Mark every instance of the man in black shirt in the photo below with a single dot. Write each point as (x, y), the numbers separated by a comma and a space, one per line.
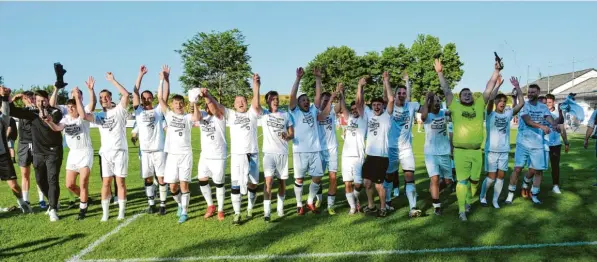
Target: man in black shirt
(11, 135)
(46, 147)
(7, 170)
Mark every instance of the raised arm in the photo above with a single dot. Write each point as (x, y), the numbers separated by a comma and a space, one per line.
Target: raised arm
(491, 84)
(216, 108)
(5, 108)
(425, 108)
(323, 114)
(518, 103)
(494, 93)
(162, 99)
(54, 97)
(342, 102)
(293, 99)
(90, 83)
(317, 74)
(388, 91)
(124, 99)
(136, 96)
(360, 103)
(165, 75)
(197, 116)
(407, 81)
(442, 82)
(255, 101)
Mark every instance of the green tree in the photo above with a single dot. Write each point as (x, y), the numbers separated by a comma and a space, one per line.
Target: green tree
(218, 61)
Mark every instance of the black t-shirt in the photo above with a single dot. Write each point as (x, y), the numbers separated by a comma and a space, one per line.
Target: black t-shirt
(25, 126)
(13, 130)
(45, 141)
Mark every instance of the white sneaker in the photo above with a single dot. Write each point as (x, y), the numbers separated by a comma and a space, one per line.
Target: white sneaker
(352, 211)
(53, 215)
(120, 218)
(556, 189)
(280, 212)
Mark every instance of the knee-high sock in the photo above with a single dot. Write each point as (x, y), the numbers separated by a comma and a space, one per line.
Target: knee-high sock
(356, 192)
(298, 193)
(320, 194)
(474, 188)
(461, 194)
(267, 207)
(185, 198)
(220, 195)
(25, 196)
(387, 186)
(121, 207)
(411, 194)
(206, 192)
(176, 195)
(469, 196)
(331, 200)
(106, 208)
(313, 188)
(350, 199)
(252, 198)
(149, 192)
(40, 194)
(163, 194)
(487, 182)
(497, 189)
(280, 206)
(236, 199)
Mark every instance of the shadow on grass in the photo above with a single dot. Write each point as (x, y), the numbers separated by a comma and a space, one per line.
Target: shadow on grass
(37, 245)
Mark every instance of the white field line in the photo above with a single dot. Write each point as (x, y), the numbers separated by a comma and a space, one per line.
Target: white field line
(353, 253)
(93, 245)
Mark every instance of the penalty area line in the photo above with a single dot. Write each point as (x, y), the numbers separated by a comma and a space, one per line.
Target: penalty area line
(355, 253)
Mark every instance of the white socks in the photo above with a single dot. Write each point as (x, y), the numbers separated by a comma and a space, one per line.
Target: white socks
(486, 184)
(497, 190)
(313, 188)
(184, 198)
(83, 205)
(331, 200)
(411, 194)
(236, 198)
(298, 193)
(149, 192)
(356, 194)
(220, 191)
(106, 208)
(163, 194)
(121, 208)
(177, 197)
(40, 194)
(267, 207)
(252, 198)
(511, 189)
(206, 192)
(25, 196)
(388, 187)
(280, 205)
(350, 199)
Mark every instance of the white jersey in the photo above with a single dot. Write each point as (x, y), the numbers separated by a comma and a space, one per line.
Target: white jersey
(498, 131)
(213, 137)
(76, 132)
(554, 135)
(306, 139)
(327, 131)
(354, 137)
(530, 137)
(150, 125)
(273, 125)
(437, 141)
(178, 137)
(243, 131)
(378, 128)
(400, 135)
(112, 127)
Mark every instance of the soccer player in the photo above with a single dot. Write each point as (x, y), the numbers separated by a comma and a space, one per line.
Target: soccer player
(179, 161)
(277, 129)
(150, 124)
(542, 99)
(7, 170)
(591, 124)
(306, 144)
(531, 146)
(353, 150)
(114, 146)
(212, 161)
(437, 147)
(555, 143)
(12, 135)
(376, 162)
(328, 142)
(497, 144)
(467, 116)
(80, 156)
(400, 147)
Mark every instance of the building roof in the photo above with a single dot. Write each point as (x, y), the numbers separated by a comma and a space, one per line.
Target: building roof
(587, 87)
(556, 81)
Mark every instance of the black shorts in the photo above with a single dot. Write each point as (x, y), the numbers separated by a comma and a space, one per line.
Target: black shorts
(7, 170)
(375, 168)
(24, 154)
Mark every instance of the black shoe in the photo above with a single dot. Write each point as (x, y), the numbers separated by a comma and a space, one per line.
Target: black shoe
(162, 210)
(150, 209)
(82, 213)
(382, 212)
(266, 219)
(438, 211)
(368, 210)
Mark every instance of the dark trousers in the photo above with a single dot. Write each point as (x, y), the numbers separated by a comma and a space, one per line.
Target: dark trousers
(554, 160)
(47, 172)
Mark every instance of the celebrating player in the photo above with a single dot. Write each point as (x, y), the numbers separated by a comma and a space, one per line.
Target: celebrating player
(555, 143)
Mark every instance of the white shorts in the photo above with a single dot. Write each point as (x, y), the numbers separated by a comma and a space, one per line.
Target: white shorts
(536, 158)
(352, 169)
(329, 160)
(439, 165)
(275, 165)
(406, 157)
(79, 158)
(212, 168)
(115, 163)
(152, 163)
(244, 168)
(495, 161)
(178, 168)
(307, 162)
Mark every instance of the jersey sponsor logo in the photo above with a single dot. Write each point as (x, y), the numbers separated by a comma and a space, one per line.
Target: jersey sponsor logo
(243, 121)
(469, 115)
(501, 123)
(72, 129)
(208, 127)
(327, 123)
(178, 123)
(373, 125)
(108, 122)
(439, 124)
(276, 124)
(352, 127)
(401, 118)
(148, 118)
(308, 119)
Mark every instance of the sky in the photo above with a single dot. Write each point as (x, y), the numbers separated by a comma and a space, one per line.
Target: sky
(92, 38)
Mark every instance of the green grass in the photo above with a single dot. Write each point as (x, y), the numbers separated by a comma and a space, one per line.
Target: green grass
(565, 218)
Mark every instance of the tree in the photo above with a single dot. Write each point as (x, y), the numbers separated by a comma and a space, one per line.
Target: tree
(218, 61)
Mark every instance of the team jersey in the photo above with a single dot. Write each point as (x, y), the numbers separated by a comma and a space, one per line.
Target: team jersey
(273, 125)
(150, 124)
(437, 140)
(178, 137)
(498, 131)
(112, 127)
(400, 136)
(554, 135)
(243, 131)
(530, 137)
(306, 139)
(468, 124)
(327, 131)
(377, 129)
(354, 137)
(76, 132)
(213, 136)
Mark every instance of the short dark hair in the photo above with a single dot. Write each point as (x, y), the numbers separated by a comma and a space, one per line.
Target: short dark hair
(377, 99)
(541, 97)
(550, 96)
(147, 92)
(535, 86)
(106, 91)
(71, 102)
(41, 93)
(270, 93)
(28, 93)
(326, 93)
(400, 86)
(178, 97)
(500, 97)
(353, 103)
(465, 89)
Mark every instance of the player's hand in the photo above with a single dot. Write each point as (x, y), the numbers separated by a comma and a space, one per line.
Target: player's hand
(363, 81)
(317, 72)
(340, 88)
(256, 79)
(166, 72)
(429, 97)
(300, 72)
(566, 148)
(142, 70)
(76, 93)
(545, 129)
(499, 81)
(586, 144)
(134, 139)
(514, 81)
(405, 76)
(203, 92)
(90, 83)
(437, 64)
(284, 136)
(4, 91)
(109, 76)
(386, 77)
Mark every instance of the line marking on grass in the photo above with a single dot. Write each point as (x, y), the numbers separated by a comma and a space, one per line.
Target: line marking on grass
(353, 253)
(93, 245)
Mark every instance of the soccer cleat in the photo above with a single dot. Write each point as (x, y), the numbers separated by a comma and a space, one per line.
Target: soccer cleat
(221, 215)
(467, 208)
(524, 192)
(183, 218)
(162, 210)
(536, 200)
(53, 215)
(43, 204)
(318, 203)
(120, 218)
(179, 212)
(438, 211)
(249, 213)
(300, 211)
(266, 219)
(414, 213)
(352, 211)
(82, 214)
(462, 216)
(26, 208)
(210, 211)
(556, 189)
(389, 207)
(483, 202)
(150, 209)
(312, 208)
(495, 204)
(382, 213)
(331, 211)
(236, 220)
(368, 210)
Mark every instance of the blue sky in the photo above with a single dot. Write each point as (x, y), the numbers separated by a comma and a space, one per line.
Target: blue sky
(93, 38)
